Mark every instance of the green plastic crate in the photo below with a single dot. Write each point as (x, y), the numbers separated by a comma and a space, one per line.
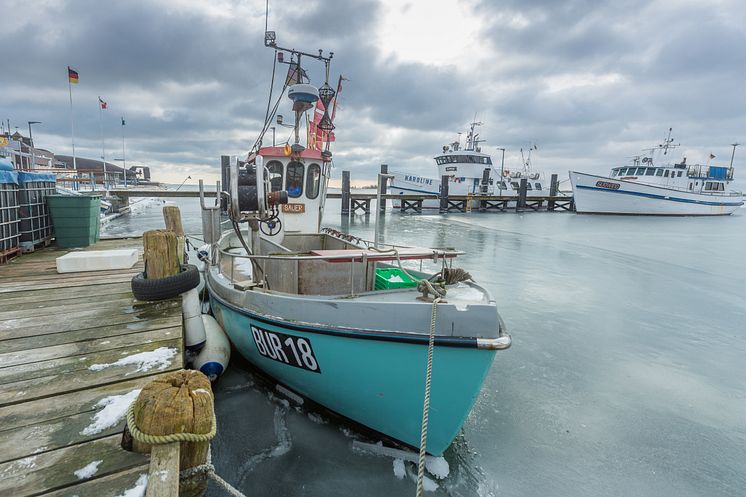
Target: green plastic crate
(384, 275)
(76, 219)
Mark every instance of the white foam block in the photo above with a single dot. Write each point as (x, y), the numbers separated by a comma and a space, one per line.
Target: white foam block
(96, 260)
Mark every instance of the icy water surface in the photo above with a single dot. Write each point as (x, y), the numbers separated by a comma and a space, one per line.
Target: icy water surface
(627, 375)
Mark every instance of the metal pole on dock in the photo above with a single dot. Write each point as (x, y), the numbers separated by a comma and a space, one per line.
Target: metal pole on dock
(444, 194)
(225, 163)
(383, 187)
(345, 193)
(379, 212)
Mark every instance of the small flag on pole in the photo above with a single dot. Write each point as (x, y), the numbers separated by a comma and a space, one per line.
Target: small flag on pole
(102, 103)
(72, 75)
(123, 121)
(712, 156)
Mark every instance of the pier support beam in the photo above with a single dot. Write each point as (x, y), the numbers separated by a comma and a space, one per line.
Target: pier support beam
(485, 187)
(553, 187)
(444, 194)
(384, 187)
(345, 193)
(160, 253)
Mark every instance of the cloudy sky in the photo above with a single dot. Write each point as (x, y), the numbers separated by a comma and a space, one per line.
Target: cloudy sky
(590, 83)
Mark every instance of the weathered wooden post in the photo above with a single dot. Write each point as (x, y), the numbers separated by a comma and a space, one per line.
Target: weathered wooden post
(345, 193)
(174, 420)
(160, 253)
(444, 194)
(172, 218)
(384, 187)
(522, 189)
(553, 187)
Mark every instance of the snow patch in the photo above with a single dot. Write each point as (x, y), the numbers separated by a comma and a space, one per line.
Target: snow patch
(88, 470)
(396, 279)
(200, 390)
(162, 474)
(428, 485)
(138, 490)
(399, 470)
(159, 358)
(26, 462)
(316, 418)
(114, 409)
(437, 466)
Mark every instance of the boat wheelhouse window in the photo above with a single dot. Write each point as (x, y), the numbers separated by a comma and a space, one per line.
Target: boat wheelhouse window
(691, 185)
(649, 171)
(313, 181)
(275, 175)
(514, 185)
(640, 171)
(679, 175)
(708, 185)
(659, 172)
(721, 187)
(294, 184)
(528, 186)
(614, 172)
(503, 186)
(538, 186)
(666, 173)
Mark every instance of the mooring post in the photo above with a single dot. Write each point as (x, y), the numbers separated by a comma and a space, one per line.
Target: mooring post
(160, 253)
(384, 186)
(345, 193)
(225, 164)
(522, 189)
(178, 402)
(444, 194)
(554, 186)
(172, 218)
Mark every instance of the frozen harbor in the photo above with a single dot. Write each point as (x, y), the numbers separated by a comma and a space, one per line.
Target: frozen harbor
(624, 378)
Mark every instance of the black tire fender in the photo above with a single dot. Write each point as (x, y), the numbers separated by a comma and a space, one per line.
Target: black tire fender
(165, 288)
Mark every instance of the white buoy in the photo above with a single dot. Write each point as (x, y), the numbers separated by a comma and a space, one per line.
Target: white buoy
(213, 359)
(194, 328)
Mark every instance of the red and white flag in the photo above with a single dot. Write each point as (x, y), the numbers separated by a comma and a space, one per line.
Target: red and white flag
(102, 103)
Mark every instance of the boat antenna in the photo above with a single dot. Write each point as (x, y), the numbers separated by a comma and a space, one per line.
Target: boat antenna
(733, 154)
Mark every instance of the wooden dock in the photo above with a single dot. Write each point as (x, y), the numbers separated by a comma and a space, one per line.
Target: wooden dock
(53, 329)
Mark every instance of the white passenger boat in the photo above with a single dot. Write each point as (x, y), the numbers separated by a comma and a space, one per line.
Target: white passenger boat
(644, 188)
(470, 172)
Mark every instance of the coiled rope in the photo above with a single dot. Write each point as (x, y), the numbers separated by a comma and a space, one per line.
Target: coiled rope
(426, 403)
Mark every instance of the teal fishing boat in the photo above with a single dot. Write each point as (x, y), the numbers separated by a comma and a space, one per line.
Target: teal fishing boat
(354, 326)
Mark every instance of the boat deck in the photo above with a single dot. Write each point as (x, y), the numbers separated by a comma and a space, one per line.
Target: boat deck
(54, 403)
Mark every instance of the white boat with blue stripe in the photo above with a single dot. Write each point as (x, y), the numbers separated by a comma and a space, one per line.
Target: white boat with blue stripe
(644, 188)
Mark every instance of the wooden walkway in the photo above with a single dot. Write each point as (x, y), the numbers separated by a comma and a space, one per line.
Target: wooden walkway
(53, 329)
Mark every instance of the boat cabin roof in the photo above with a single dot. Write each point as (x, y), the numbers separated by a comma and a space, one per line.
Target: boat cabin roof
(279, 153)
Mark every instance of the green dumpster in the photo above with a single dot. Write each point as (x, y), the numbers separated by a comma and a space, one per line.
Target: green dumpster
(76, 219)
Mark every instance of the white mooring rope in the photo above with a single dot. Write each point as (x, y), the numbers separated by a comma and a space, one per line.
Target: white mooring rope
(426, 404)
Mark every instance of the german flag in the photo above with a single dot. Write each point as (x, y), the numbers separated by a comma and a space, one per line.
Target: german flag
(72, 75)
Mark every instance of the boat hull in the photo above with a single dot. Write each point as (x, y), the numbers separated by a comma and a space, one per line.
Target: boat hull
(602, 195)
(378, 383)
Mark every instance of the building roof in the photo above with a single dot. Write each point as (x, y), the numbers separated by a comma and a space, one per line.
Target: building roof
(92, 165)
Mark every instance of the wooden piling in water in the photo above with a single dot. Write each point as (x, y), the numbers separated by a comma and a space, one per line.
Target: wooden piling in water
(444, 194)
(172, 218)
(522, 189)
(384, 187)
(345, 193)
(553, 187)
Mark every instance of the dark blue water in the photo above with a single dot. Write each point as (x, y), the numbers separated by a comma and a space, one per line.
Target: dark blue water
(627, 375)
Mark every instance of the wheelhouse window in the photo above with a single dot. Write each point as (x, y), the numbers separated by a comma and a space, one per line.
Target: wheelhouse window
(640, 171)
(313, 181)
(666, 173)
(649, 171)
(275, 175)
(659, 172)
(528, 186)
(679, 175)
(503, 186)
(538, 186)
(708, 185)
(514, 185)
(294, 184)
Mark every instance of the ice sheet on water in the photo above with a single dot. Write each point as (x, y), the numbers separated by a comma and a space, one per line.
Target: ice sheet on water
(88, 470)
(437, 466)
(114, 409)
(159, 358)
(399, 470)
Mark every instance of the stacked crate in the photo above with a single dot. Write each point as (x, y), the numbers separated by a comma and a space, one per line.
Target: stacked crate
(36, 224)
(9, 220)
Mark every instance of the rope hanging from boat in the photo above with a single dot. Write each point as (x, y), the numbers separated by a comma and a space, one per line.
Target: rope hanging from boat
(426, 403)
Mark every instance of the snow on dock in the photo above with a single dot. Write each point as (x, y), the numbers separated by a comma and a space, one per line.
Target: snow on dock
(53, 329)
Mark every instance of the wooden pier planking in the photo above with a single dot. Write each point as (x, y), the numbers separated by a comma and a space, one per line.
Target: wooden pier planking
(53, 327)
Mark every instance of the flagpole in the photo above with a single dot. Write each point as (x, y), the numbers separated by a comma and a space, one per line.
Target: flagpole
(103, 149)
(72, 129)
(124, 161)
